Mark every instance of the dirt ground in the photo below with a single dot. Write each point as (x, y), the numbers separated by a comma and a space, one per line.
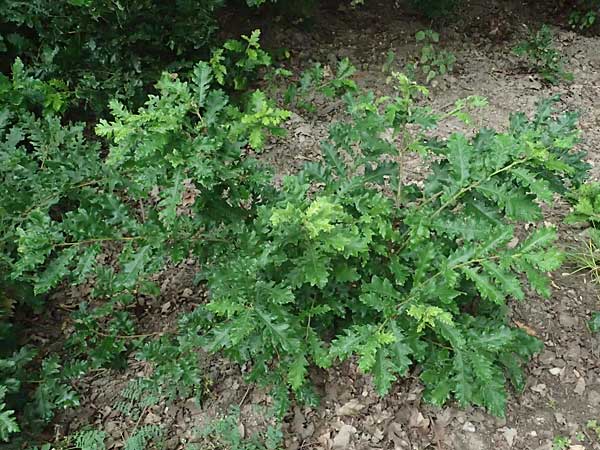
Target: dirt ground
(563, 385)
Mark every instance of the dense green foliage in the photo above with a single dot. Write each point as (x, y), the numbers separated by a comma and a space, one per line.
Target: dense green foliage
(175, 179)
(421, 276)
(346, 260)
(102, 48)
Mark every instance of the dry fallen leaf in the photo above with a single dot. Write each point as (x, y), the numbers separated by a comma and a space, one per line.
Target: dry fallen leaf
(398, 436)
(341, 441)
(580, 386)
(539, 388)
(417, 420)
(527, 329)
(351, 408)
(509, 434)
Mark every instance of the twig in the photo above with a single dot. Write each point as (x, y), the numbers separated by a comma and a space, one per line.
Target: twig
(134, 336)
(308, 444)
(244, 397)
(137, 423)
(435, 434)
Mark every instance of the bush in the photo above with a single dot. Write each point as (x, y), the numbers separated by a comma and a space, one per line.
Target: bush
(345, 261)
(101, 48)
(349, 262)
(177, 177)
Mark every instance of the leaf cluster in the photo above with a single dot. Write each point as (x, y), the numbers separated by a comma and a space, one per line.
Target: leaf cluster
(97, 50)
(543, 57)
(584, 14)
(432, 62)
(224, 434)
(586, 210)
(349, 262)
(178, 177)
(320, 82)
(345, 261)
(101, 48)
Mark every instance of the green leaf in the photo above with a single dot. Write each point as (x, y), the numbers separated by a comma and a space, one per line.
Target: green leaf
(461, 255)
(372, 341)
(458, 155)
(496, 239)
(539, 187)
(483, 367)
(484, 285)
(86, 263)
(90, 440)
(522, 207)
(509, 282)
(345, 69)
(312, 268)
(400, 271)
(277, 330)
(493, 340)
(383, 372)
(379, 294)
(216, 100)
(440, 394)
(55, 272)
(540, 238)
(8, 424)
(201, 77)
(332, 157)
(256, 140)
(297, 371)
(515, 372)
(494, 396)
(547, 260)
(134, 268)
(399, 351)
(345, 345)
(539, 281)
(463, 386)
(171, 199)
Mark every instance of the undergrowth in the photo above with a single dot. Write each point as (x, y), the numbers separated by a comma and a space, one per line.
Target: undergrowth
(543, 57)
(432, 62)
(225, 433)
(179, 158)
(586, 257)
(345, 261)
(584, 14)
